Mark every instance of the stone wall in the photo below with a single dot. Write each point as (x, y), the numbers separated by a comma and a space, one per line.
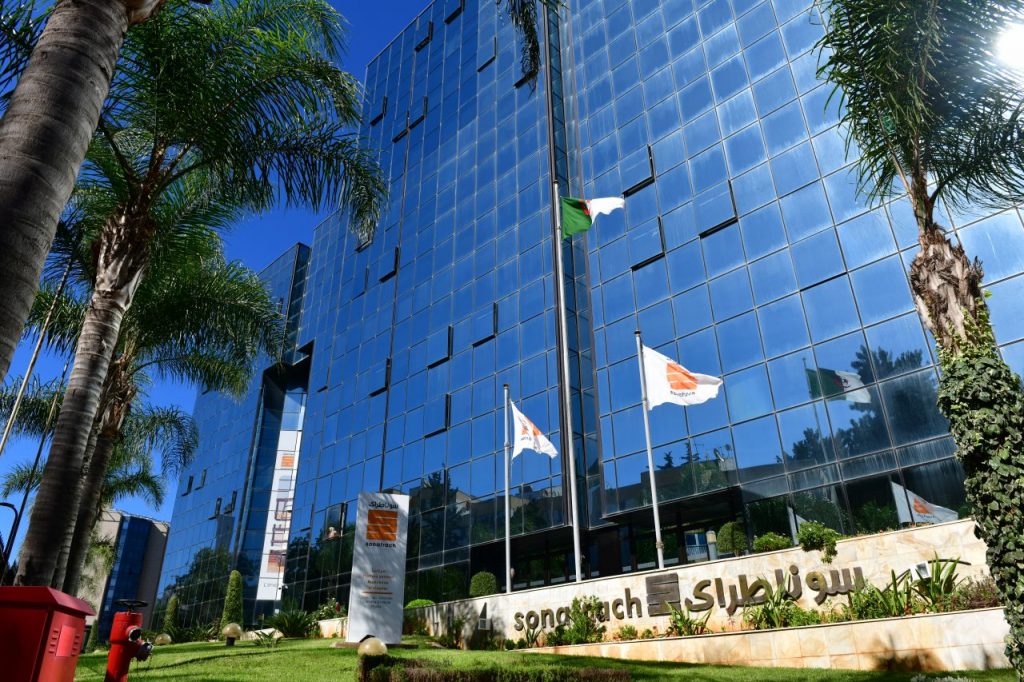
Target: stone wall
(639, 599)
(968, 640)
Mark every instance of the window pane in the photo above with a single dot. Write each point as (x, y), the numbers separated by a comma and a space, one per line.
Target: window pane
(757, 449)
(803, 441)
(830, 309)
(911, 405)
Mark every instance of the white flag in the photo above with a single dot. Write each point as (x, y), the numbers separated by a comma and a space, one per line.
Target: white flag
(919, 510)
(604, 205)
(670, 382)
(527, 436)
(856, 393)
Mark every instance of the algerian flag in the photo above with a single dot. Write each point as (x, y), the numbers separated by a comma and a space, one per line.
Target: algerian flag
(578, 214)
(837, 385)
(527, 436)
(670, 382)
(919, 510)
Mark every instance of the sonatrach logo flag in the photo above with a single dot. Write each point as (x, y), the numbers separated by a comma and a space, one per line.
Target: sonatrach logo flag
(578, 214)
(527, 436)
(670, 382)
(919, 510)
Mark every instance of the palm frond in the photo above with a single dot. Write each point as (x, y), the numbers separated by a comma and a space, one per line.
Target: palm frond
(68, 314)
(523, 15)
(249, 91)
(21, 478)
(21, 23)
(923, 96)
(35, 404)
(169, 430)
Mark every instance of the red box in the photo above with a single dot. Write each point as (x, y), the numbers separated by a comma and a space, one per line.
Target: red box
(42, 632)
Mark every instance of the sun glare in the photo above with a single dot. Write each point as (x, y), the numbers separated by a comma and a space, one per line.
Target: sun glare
(1010, 46)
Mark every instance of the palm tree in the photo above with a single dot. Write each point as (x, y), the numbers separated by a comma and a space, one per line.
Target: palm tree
(935, 116)
(196, 319)
(240, 106)
(46, 130)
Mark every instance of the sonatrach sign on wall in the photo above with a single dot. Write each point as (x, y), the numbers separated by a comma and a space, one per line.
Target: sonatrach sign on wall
(378, 567)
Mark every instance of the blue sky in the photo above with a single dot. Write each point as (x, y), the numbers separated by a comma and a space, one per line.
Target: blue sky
(256, 241)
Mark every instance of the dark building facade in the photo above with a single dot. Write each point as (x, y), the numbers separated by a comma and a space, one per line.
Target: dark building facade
(138, 546)
(744, 252)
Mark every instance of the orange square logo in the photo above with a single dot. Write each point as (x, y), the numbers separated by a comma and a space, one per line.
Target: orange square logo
(287, 461)
(382, 524)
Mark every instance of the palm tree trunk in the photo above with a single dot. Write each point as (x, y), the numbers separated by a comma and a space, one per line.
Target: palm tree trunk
(44, 136)
(88, 511)
(65, 550)
(119, 269)
(981, 396)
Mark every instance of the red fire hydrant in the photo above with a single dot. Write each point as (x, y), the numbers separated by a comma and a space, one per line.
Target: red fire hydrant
(126, 641)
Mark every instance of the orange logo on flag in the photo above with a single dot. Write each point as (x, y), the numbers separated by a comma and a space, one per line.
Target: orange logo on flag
(382, 524)
(922, 508)
(679, 379)
(529, 429)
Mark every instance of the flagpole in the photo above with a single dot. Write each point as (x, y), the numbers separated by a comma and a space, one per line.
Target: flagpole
(570, 450)
(508, 506)
(650, 455)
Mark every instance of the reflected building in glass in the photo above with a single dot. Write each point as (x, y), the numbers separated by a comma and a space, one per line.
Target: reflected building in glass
(744, 252)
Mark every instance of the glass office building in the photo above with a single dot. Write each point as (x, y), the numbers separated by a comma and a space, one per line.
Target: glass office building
(744, 252)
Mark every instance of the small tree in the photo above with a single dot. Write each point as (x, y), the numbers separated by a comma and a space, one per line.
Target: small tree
(171, 614)
(732, 538)
(233, 601)
(483, 584)
(93, 642)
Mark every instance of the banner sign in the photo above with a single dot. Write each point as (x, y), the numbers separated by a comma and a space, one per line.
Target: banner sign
(378, 568)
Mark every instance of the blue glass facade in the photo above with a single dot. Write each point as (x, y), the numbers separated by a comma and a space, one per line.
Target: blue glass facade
(222, 514)
(744, 252)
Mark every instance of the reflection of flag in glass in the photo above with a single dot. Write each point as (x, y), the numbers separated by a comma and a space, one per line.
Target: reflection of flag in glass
(837, 385)
(912, 508)
(526, 436)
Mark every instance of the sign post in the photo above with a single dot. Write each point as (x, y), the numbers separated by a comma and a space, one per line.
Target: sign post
(378, 568)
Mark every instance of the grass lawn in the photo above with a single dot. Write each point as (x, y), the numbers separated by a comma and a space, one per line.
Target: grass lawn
(313, 660)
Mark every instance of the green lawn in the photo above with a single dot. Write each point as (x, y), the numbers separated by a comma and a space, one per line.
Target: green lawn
(314, 660)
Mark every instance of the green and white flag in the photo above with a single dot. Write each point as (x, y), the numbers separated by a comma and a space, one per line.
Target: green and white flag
(833, 384)
(578, 214)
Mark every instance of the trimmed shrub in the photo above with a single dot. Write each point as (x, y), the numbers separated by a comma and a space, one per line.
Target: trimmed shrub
(483, 584)
(171, 614)
(233, 602)
(391, 669)
(419, 603)
(732, 538)
(93, 642)
(769, 542)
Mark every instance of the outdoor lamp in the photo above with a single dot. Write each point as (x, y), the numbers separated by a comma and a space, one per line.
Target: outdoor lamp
(372, 646)
(712, 537)
(162, 639)
(231, 632)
